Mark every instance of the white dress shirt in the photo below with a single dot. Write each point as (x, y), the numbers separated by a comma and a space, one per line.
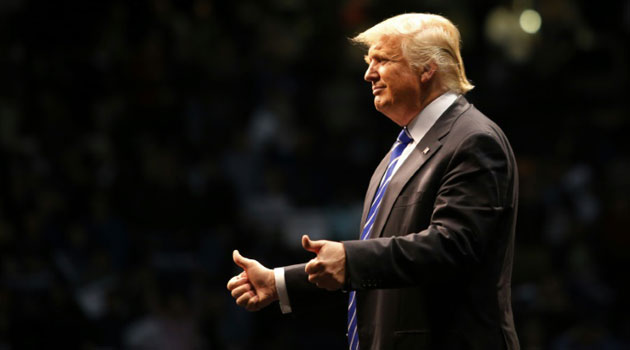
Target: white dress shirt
(417, 128)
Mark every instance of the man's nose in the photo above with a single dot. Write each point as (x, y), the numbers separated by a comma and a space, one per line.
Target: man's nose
(370, 73)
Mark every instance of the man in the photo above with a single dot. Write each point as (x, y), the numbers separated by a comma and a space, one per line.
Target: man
(431, 268)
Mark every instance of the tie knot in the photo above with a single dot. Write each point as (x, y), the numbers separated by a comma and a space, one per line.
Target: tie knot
(404, 137)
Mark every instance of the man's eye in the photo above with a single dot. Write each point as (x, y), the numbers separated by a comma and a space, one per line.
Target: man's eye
(375, 59)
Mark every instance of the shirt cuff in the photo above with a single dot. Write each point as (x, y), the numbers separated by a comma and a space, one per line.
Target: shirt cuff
(281, 288)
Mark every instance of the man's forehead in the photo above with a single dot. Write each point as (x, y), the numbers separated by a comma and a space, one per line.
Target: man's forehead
(386, 43)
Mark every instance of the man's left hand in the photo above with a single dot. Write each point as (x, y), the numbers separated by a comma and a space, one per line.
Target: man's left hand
(328, 269)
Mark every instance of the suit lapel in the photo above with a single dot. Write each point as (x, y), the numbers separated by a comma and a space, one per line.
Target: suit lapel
(411, 165)
(423, 151)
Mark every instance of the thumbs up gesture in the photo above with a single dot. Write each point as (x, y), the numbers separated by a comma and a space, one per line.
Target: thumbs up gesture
(255, 287)
(328, 269)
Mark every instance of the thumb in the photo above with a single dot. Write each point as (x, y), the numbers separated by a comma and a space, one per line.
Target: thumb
(242, 261)
(312, 246)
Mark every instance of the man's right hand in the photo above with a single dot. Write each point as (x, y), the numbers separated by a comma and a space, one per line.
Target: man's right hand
(255, 287)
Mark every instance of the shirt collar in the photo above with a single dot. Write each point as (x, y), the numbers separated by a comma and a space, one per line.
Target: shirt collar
(421, 124)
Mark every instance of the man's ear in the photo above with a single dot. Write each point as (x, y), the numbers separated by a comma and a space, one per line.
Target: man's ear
(428, 72)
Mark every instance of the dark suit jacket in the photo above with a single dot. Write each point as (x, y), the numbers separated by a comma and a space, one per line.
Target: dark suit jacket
(436, 271)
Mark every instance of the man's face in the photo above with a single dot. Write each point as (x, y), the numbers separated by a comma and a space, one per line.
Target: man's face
(395, 85)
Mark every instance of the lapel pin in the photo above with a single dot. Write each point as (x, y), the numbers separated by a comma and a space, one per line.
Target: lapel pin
(426, 150)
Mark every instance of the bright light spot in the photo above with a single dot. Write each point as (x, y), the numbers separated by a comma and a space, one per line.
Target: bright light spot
(530, 21)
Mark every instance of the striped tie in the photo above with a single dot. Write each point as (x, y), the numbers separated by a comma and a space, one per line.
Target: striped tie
(399, 146)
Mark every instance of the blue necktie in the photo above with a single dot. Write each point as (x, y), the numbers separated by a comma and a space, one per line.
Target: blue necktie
(399, 146)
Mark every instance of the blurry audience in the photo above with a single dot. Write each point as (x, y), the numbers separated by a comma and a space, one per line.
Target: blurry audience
(142, 141)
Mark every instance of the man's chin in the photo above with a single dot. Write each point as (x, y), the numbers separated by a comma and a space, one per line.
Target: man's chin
(379, 104)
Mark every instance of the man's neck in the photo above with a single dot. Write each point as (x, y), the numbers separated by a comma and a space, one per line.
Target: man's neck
(430, 96)
(424, 101)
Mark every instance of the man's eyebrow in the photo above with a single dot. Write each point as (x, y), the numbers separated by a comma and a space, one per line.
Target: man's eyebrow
(381, 55)
(374, 53)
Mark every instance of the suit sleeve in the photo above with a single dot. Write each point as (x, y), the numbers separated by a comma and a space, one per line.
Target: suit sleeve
(306, 297)
(473, 197)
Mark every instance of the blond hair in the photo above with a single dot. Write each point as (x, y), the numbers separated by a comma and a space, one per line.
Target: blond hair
(425, 38)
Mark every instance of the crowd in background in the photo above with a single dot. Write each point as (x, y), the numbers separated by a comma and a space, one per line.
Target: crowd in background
(142, 141)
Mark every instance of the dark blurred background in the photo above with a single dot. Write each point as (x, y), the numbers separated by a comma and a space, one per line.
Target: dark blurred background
(142, 141)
